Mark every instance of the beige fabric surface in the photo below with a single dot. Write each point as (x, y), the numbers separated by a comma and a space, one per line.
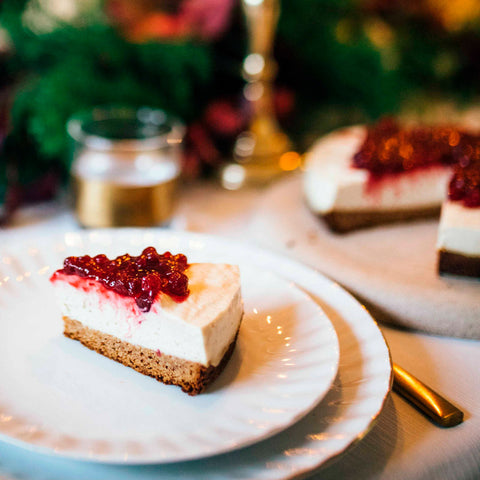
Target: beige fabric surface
(392, 269)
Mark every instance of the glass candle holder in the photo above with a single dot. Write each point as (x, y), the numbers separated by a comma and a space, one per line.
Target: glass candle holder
(125, 166)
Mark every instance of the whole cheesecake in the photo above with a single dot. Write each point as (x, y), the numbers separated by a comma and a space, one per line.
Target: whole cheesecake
(359, 177)
(168, 319)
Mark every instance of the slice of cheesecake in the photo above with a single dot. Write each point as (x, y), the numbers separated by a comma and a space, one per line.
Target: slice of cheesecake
(155, 313)
(458, 241)
(359, 177)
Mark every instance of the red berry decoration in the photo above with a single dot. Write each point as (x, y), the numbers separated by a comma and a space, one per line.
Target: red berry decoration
(390, 148)
(142, 277)
(465, 183)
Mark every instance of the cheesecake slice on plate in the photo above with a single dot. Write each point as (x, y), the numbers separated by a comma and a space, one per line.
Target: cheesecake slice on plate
(459, 230)
(174, 321)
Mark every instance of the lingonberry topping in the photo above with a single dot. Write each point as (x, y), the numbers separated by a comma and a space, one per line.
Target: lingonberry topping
(142, 277)
(390, 148)
(465, 183)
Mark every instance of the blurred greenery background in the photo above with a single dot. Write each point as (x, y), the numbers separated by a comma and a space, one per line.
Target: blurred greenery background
(340, 62)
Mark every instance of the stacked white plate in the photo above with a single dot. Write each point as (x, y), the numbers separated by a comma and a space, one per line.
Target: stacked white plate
(309, 375)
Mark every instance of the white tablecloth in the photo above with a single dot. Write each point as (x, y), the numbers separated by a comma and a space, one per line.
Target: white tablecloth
(403, 444)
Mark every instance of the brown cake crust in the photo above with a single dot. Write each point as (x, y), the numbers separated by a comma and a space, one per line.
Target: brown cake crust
(345, 221)
(192, 377)
(457, 264)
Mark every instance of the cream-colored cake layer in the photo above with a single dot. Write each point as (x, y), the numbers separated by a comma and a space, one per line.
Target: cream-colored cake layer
(459, 229)
(199, 329)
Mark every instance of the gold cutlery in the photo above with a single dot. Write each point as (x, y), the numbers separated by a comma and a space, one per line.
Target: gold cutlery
(437, 408)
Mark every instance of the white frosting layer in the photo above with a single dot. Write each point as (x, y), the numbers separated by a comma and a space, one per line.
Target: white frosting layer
(199, 329)
(459, 229)
(330, 183)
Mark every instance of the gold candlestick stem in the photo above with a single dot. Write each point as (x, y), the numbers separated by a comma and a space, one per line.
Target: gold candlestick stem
(257, 151)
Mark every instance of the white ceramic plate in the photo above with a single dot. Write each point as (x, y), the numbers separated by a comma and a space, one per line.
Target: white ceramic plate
(343, 417)
(57, 395)
(392, 268)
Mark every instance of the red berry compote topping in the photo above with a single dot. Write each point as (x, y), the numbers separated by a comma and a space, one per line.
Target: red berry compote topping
(142, 277)
(465, 183)
(390, 148)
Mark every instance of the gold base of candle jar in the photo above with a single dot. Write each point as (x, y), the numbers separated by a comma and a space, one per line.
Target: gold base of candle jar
(104, 204)
(234, 176)
(269, 158)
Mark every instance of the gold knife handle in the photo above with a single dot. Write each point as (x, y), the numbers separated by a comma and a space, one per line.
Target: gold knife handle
(440, 410)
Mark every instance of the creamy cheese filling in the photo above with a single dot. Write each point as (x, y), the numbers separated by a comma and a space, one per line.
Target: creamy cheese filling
(331, 183)
(199, 329)
(459, 229)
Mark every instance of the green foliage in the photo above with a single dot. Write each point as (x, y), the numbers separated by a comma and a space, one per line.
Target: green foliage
(341, 70)
(356, 64)
(74, 69)
(170, 77)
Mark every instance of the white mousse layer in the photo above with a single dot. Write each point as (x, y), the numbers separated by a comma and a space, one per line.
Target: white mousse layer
(199, 329)
(331, 183)
(459, 229)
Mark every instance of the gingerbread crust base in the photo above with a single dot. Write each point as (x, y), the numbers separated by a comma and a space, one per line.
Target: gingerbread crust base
(457, 264)
(346, 221)
(192, 377)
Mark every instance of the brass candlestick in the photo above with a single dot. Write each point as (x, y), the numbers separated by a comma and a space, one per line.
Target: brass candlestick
(258, 151)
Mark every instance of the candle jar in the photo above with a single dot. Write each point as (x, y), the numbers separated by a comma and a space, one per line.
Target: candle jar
(125, 166)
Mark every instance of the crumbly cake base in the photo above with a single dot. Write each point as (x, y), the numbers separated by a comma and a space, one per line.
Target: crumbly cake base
(346, 221)
(192, 377)
(458, 264)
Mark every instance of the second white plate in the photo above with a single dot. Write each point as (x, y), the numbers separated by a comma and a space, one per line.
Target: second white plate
(59, 397)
